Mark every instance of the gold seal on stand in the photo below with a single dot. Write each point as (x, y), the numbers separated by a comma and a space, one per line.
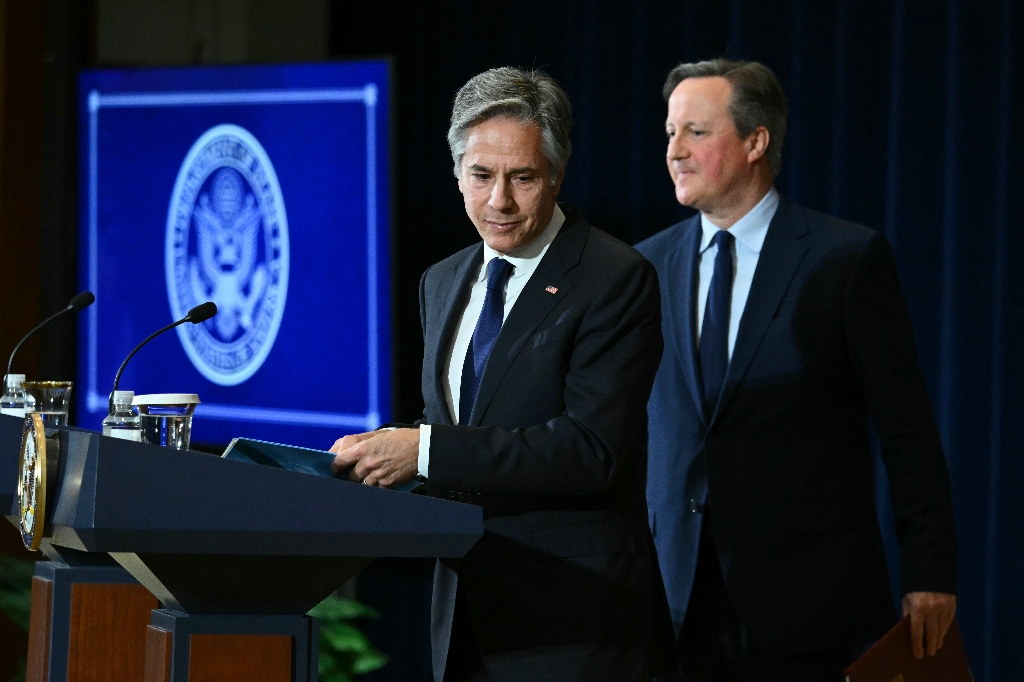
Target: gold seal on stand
(32, 481)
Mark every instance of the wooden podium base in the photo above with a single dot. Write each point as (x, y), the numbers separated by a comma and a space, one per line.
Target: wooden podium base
(88, 622)
(212, 648)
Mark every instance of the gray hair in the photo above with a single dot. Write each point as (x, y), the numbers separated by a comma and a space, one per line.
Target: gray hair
(524, 96)
(757, 98)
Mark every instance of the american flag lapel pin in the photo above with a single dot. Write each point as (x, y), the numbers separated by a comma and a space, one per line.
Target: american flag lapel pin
(551, 290)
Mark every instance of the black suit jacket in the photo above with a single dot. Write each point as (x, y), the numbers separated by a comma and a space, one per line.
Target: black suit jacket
(824, 344)
(564, 583)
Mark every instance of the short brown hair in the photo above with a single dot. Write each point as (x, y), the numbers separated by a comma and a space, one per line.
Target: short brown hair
(757, 98)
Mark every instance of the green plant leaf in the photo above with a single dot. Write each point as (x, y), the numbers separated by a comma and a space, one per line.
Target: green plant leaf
(369, 661)
(343, 637)
(336, 608)
(345, 652)
(16, 589)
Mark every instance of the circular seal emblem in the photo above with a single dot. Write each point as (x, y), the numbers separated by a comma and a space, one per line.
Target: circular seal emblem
(32, 479)
(227, 242)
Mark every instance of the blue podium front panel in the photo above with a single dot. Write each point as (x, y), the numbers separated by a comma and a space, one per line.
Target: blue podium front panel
(264, 189)
(216, 536)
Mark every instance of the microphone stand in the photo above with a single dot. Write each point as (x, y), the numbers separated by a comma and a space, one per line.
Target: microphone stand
(82, 300)
(200, 313)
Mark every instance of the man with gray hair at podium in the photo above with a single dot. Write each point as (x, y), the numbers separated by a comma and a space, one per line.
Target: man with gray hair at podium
(541, 346)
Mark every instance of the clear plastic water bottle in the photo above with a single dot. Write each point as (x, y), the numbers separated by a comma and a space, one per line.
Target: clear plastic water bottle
(14, 398)
(123, 423)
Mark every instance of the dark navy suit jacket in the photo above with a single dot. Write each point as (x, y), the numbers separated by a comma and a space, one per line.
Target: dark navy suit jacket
(784, 464)
(564, 584)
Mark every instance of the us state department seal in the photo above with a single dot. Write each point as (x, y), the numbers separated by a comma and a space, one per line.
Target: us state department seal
(227, 242)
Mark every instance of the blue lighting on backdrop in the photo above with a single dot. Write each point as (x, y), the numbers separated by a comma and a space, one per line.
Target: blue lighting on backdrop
(264, 189)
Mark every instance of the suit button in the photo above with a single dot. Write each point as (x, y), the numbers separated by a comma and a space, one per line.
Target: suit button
(695, 506)
(460, 495)
(450, 494)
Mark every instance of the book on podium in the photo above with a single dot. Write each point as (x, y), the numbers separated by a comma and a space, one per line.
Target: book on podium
(891, 659)
(295, 458)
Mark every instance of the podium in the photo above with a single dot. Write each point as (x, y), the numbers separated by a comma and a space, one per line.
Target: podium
(236, 553)
(89, 615)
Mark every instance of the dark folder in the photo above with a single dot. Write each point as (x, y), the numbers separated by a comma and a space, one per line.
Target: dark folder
(293, 458)
(891, 659)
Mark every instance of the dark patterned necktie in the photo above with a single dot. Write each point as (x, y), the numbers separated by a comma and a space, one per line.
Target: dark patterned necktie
(714, 333)
(487, 328)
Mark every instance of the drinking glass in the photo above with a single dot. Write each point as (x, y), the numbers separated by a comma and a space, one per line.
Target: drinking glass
(50, 399)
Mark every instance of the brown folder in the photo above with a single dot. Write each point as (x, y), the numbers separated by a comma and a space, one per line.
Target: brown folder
(891, 659)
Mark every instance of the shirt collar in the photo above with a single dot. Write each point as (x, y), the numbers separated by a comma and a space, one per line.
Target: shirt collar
(751, 229)
(532, 252)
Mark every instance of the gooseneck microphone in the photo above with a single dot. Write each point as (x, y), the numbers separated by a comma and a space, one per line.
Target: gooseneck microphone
(79, 302)
(201, 313)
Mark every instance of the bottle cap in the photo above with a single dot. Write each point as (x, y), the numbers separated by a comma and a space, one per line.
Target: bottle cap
(14, 380)
(124, 397)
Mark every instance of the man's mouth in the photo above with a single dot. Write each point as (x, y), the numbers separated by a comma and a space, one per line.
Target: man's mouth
(503, 226)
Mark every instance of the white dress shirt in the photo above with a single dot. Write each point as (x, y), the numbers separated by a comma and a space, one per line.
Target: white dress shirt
(524, 261)
(749, 231)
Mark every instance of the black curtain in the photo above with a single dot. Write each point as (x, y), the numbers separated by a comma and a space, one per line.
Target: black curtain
(904, 116)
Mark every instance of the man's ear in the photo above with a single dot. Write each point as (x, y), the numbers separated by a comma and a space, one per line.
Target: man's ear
(758, 144)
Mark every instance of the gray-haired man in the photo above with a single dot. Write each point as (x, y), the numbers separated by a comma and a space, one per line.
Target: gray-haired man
(541, 345)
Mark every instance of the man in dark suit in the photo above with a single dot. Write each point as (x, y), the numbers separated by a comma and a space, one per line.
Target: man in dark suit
(785, 332)
(541, 345)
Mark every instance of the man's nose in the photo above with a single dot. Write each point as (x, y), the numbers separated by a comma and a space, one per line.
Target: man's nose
(501, 196)
(677, 149)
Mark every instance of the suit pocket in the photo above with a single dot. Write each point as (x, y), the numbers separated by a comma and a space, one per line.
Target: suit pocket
(555, 333)
(576, 540)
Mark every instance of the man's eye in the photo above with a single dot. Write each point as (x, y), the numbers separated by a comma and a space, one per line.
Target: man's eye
(697, 133)
(524, 178)
(480, 176)
(669, 134)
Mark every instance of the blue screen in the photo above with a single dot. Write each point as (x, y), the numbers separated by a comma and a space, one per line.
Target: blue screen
(266, 190)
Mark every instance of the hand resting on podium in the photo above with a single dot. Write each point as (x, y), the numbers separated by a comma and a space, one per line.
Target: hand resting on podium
(384, 458)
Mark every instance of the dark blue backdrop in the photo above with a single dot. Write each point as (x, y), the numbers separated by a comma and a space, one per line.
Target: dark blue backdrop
(325, 129)
(905, 116)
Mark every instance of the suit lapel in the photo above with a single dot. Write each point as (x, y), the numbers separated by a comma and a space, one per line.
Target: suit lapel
(455, 289)
(781, 254)
(679, 284)
(532, 306)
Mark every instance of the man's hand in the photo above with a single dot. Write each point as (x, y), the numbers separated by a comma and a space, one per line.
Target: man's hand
(931, 614)
(381, 458)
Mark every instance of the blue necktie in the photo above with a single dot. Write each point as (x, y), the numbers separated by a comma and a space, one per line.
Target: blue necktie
(714, 332)
(487, 328)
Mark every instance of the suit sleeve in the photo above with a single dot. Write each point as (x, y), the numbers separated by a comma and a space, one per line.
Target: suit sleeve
(882, 346)
(611, 367)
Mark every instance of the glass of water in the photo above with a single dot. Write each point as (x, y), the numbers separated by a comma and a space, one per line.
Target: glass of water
(166, 418)
(50, 399)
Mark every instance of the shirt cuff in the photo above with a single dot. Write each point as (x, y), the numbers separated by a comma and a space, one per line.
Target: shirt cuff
(424, 456)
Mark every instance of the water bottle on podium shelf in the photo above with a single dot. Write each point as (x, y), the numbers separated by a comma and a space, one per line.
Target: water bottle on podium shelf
(13, 401)
(122, 422)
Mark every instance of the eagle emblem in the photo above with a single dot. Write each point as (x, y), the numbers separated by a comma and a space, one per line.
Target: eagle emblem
(227, 242)
(225, 270)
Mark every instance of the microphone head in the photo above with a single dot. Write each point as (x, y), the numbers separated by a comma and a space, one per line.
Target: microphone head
(202, 312)
(81, 301)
